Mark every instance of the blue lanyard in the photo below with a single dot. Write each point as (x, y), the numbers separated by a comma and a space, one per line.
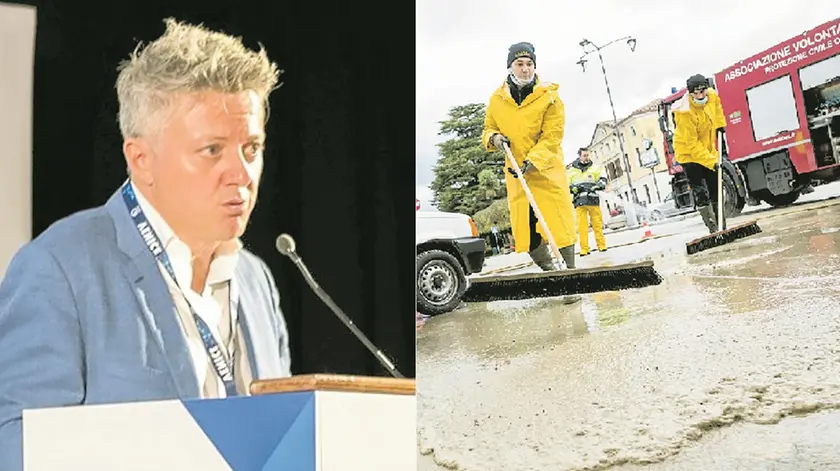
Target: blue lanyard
(221, 363)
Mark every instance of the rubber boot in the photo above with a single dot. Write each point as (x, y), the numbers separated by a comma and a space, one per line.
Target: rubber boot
(709, 218)
(542, 257)
(568, 254)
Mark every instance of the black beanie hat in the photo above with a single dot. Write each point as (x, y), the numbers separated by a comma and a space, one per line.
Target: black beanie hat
(521, 50)
(696, 81)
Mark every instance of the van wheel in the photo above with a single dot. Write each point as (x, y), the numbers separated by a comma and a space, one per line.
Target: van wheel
(440, 282)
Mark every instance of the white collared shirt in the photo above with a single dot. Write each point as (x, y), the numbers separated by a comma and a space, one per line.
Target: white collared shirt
(216, 305)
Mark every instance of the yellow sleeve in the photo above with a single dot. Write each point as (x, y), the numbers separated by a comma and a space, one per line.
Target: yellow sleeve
(599, 175)
(490, 128)
(685, 139)
(596, 172)
(551, 134)
(720, 117)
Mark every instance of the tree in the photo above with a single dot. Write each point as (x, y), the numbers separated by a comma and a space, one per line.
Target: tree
(498, 214)
(467, 177)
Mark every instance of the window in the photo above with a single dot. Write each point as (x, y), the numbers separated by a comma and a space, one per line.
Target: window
(772, 108)
(647, 192)
(633, 130)
(639, 156)
(820, 73)
(821, 88)
(607, 145)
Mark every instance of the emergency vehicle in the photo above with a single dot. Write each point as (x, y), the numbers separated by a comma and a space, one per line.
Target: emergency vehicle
(782, 110)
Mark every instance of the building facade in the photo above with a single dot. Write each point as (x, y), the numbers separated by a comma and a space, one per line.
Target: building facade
(643, 143)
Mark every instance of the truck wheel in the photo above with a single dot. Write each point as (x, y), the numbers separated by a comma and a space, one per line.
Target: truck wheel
(440, 282)
(780, 201)
(734, 203)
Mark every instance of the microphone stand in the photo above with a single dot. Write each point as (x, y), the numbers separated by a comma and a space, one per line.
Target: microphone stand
(383, 360)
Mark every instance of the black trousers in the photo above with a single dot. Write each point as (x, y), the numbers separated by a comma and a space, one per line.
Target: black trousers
(533, 222)
(703, 183)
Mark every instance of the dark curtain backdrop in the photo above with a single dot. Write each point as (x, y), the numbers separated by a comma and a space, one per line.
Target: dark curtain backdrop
(339, 171)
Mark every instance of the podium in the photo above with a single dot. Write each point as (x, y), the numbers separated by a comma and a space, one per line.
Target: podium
(302, 423)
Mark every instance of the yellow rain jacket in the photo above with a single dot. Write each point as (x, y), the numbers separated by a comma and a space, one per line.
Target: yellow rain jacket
(535, 130)
(695, 138)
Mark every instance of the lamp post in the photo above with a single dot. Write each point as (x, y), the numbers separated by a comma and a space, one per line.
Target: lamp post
(632, 220)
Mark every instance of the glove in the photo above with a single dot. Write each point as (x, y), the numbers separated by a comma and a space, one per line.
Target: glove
(588, 187)
(498, 139)
(527, 166)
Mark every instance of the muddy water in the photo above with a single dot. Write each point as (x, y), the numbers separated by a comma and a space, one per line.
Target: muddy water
(669, 377)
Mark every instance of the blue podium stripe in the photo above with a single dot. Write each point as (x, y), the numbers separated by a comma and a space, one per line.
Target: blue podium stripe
(296, 451)
(248, 430)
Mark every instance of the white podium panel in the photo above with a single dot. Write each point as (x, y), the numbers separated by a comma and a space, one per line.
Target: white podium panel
(289, 431)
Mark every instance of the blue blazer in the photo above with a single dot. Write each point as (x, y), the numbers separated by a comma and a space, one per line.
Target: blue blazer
(86, 318)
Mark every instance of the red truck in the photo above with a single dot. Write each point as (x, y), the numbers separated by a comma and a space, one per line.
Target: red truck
(782, 110)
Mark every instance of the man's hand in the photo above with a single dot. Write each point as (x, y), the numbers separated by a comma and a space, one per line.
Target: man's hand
(498, 140)
(527, 167)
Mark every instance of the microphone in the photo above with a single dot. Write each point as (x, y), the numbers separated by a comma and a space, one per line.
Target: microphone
(286, 245)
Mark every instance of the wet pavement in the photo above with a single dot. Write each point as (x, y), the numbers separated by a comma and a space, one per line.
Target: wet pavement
(733, 362)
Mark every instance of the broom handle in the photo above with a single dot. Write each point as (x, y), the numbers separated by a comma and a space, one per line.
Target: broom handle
(533, 202)
(720, 181)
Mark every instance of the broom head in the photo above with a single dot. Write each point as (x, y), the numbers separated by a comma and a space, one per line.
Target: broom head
(562, 282)
(716, 239)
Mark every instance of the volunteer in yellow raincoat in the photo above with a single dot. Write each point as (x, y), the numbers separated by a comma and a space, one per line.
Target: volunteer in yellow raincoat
(698, 117)
(585, 180)
(528, 115)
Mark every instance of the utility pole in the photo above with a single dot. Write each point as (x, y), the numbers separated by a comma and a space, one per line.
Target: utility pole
(655, 184)
(632, 219)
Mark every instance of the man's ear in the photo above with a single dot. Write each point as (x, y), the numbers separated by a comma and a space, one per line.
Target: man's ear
(138, 158)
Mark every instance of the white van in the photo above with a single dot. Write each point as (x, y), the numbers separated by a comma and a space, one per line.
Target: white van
(448, 250)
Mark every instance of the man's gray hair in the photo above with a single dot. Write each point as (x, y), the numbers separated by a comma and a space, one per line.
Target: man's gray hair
(187, 59)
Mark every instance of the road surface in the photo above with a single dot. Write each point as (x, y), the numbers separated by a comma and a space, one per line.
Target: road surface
(732, 363)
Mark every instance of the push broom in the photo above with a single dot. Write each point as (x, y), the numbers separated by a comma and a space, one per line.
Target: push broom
(564, 281)
(723, 235)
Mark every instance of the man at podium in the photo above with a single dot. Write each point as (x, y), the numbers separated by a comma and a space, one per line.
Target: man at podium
(151, 296)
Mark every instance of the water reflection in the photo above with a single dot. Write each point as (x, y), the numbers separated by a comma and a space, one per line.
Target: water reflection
(634, 369)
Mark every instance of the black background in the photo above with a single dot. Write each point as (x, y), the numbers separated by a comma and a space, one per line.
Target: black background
(339, 170)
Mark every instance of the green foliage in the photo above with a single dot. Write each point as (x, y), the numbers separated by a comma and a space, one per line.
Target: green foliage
(498, 212)
(467, 177)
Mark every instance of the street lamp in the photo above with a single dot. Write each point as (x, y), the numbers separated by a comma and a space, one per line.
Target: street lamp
(632, 221)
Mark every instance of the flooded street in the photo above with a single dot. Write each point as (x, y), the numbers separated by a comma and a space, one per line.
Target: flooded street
(733, 362)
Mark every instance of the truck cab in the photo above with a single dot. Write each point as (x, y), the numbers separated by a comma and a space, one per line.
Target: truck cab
(449, 249)
(782, 107)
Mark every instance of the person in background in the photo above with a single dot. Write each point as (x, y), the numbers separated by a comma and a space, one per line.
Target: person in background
(494, 238)
(699, 119)
(586, 178)
(152, 296)
(526, 114)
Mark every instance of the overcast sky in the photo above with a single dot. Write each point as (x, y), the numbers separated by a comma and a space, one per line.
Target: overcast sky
(462, 48)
